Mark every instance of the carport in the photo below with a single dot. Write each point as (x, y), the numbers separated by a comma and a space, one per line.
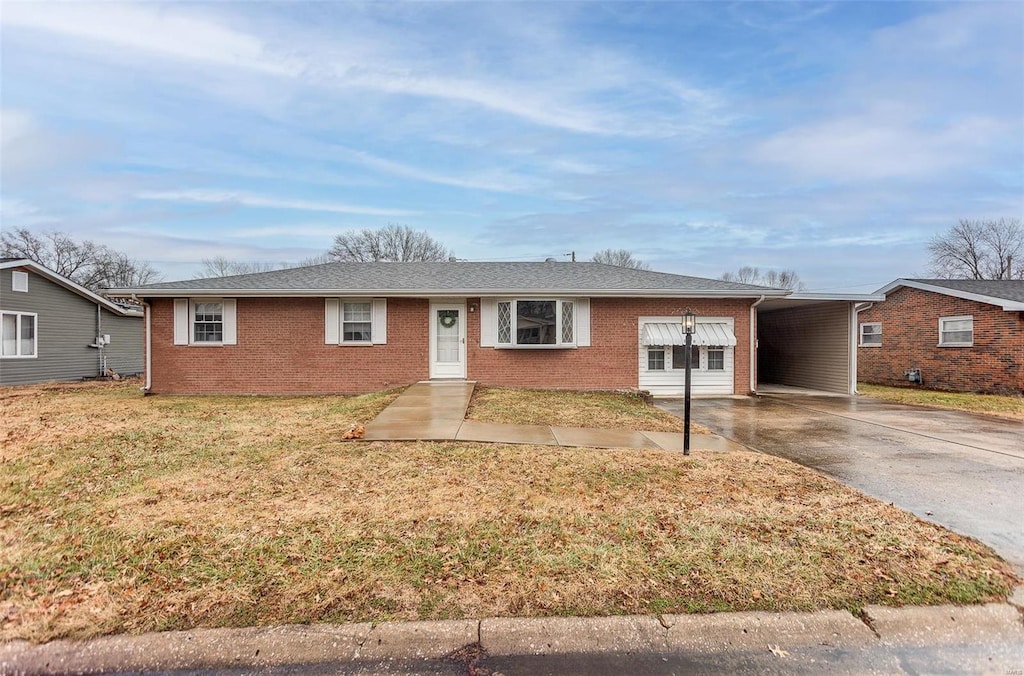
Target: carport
(810, 341)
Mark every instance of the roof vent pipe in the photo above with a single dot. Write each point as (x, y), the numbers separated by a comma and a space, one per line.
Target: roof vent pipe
(550, 260)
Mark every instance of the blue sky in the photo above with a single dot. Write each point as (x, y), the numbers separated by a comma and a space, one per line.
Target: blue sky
(834, 139)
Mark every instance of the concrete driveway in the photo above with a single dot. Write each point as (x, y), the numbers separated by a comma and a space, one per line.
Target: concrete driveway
(960, 470)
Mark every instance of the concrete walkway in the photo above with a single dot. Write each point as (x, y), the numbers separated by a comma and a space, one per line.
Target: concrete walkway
(436, 411)
(940, 639)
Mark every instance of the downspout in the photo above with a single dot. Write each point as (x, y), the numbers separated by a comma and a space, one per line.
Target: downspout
(855, 341)
(149, 346)
(99, 340)
(753, 345)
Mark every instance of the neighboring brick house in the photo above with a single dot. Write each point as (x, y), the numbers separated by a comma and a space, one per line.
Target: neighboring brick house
(359, 327)
(961, 335)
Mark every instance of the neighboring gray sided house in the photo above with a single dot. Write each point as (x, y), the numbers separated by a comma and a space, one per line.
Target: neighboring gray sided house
(55, 329)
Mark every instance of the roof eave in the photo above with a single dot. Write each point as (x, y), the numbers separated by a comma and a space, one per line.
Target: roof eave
(425, 293)
(1006, 304)
(68, 284)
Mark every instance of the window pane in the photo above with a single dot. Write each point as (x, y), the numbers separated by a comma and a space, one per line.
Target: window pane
(10, 335)
(716, 359)
(535, 322)
(679, 356)
(567, 322)
(958, 325)
(656, 359)
(505, 322)
(448, 338)
(28, 335)
(958, 337)
(209, 312)
(356, 331)
(357, 312)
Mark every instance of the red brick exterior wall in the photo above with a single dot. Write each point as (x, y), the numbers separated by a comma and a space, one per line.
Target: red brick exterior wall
(910, 338)
(281, 350)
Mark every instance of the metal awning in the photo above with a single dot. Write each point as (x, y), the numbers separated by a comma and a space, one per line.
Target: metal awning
(707, 333)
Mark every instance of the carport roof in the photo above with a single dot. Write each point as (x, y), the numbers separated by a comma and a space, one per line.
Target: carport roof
(1006, 293)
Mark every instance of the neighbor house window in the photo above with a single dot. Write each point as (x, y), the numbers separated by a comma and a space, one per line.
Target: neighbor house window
(716, 358)
(541, 323)
(19, 281)
(956, 331)
(679, 356)
(356, 321)
(871, 334)
(18, 334)
(208, 322)
(655, 359)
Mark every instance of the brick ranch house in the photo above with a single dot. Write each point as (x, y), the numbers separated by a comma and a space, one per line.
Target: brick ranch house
(961, 335)
(359, 327)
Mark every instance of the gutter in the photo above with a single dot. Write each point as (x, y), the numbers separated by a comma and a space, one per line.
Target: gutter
(442, 293)
(855, 340)
(753, 345)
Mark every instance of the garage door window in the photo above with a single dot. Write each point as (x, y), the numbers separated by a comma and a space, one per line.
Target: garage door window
(655, 359)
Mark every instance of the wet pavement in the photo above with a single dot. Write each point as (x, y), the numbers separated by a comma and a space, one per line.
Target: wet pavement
(960, 470)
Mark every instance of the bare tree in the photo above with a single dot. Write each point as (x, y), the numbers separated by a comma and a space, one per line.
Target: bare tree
(979, 250)
(390, 243)
(219, 266)
(94, 266)
(319, 259)
(620, 257)
(779, 279)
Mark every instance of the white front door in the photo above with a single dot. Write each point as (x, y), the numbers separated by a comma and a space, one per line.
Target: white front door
(447, 340)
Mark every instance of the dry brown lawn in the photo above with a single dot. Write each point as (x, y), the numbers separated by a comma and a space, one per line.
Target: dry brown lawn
(123, 513)
(1004, 406)
(568, 408)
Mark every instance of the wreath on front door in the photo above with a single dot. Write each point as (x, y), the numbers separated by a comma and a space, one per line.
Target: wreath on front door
(448, 318)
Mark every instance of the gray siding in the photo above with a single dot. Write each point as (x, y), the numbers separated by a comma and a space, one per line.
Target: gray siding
(807, 346)
(65, 326)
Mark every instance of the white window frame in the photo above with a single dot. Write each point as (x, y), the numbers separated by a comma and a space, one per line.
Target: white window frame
(559, 344)
(193, 305)
(878, 325)
(950, 343)
(341, 319)
(19, 281)
(17, 335)
(707, 351)
(666, 356)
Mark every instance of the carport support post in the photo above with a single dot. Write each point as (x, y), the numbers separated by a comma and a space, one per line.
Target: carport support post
(689, 326)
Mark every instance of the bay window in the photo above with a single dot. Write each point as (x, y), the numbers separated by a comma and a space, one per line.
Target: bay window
(540, 323)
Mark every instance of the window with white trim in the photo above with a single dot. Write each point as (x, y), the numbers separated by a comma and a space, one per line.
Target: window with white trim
(208, 322)
(956, 331)
(679, 357)
(549, 322)
(17, 334)
(716, 358)
(356, 321)
(871, 334)
(19, 281)
(655, 359)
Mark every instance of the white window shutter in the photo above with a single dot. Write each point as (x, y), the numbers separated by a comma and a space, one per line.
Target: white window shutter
(379, 325)
(582, 309)
(488, 322)
(181, 321)
(332, 321)
(229, 315)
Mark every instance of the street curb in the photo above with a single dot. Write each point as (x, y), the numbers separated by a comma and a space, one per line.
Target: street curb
(408, 641)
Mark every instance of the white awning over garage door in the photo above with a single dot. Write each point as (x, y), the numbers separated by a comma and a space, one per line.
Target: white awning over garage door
(709, 333)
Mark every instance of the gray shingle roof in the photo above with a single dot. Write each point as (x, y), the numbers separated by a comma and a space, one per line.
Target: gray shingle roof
(461, 277)
(1006, 289)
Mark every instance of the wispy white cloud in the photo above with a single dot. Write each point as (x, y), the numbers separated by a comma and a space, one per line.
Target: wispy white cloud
(492, 180)
(245, 199)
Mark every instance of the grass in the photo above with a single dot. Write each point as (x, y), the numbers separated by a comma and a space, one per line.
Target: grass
(120, 513)
(567, 408)
(992, 404)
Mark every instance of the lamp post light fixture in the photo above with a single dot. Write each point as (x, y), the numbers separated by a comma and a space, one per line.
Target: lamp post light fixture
(689, 326)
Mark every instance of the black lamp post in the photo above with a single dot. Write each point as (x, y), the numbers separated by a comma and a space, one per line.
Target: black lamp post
(689, 326)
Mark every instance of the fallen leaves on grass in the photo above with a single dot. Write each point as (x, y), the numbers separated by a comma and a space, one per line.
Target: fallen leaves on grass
(231, 511)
